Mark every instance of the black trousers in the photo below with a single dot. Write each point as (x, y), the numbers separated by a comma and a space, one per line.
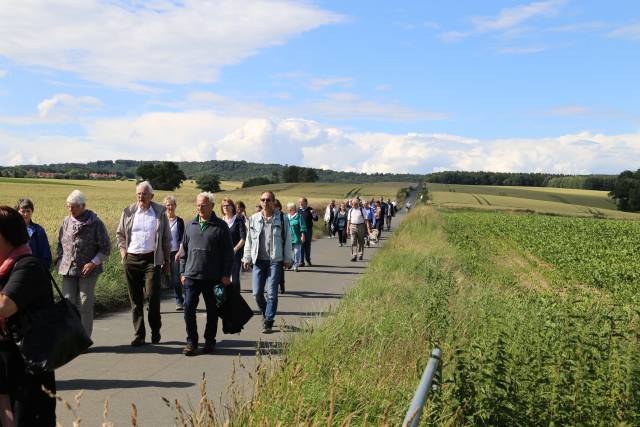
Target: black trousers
(32, 406)
(143, 278)
(306, 246)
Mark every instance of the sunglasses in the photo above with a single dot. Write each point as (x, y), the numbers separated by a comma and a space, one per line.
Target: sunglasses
(265, 200)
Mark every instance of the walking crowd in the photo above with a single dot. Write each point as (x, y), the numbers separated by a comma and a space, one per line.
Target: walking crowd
(202, 256)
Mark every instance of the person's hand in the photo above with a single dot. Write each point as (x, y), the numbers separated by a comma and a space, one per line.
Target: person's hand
(226, 281)
(287, 265)
(302, 238)
(87, 269)
(246, 266)
(182, 280)
(123, 255)
(178, 256)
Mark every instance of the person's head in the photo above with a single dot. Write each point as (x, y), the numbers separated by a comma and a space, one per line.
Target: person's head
(378, 203)
(354, 203)
(13, 231)
(343, 206)
(333, 203)
(170, 204)
(227, 208)
(267, 201)
(277, 205)
(204, 204)
(258, 208)
(291, 208)
(25, 208)
(144, 194)
(240, 207)
(76, 203)
(302, 202)
(366, 203)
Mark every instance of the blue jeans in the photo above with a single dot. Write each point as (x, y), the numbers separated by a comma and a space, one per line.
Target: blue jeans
(297, 254)
(267, 274)
(192, 290)
(175, 280)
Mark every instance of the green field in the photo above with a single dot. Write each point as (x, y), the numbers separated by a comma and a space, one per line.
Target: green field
(536, 315)
(558, 201)
(109, 198)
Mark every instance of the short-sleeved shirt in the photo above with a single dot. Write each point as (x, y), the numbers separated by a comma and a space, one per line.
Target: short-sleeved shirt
(356, 216)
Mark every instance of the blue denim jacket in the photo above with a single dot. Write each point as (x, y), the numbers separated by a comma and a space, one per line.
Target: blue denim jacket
(252, 243)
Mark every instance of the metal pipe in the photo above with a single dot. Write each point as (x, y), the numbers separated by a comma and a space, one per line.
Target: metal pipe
(415, 410)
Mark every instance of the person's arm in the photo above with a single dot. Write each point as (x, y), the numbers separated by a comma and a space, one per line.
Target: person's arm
(184, 251)
(287, 256)
(122, 237)
(59, 249)
(43, 243)
(246, 255)
(166, 241)
(7, 307)
(314, 215)
(103, 251)
(242, 230)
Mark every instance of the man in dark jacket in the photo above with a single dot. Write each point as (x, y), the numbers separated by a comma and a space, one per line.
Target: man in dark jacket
(309, 216)
(206, 260)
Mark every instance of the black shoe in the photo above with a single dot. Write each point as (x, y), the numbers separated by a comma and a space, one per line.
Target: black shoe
(267, 328)
(354, 258)
(209, 347)
(137, 342)
(309, 264)
(190, 349)
(155, 337)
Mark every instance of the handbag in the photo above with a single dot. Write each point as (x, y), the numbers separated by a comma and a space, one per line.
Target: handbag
(49, 337)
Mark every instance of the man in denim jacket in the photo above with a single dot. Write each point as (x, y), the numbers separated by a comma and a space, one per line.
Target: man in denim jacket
(268, 248)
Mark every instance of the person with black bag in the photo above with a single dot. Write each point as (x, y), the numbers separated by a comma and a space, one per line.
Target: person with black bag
(25, 288)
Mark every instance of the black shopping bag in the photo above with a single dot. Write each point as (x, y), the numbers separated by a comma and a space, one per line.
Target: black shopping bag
(235, 313)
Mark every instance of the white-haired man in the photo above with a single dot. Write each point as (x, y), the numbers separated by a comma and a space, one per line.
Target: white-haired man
(144, 240)
(207, 259)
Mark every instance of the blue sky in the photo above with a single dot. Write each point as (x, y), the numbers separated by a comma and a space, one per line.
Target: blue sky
(549, 85)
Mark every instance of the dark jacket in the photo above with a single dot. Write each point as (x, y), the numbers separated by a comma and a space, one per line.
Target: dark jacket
(308, 218)
(39, 244)
(238, 231)
(208, 253)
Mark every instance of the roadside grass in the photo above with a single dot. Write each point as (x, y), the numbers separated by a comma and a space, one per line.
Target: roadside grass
(108, 198)
(522, 343)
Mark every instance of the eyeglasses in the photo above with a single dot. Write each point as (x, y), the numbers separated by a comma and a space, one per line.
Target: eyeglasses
(265, 200)
(227, 206)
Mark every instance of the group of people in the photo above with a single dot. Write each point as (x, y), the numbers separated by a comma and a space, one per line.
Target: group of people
(193, 255)
(362, 221)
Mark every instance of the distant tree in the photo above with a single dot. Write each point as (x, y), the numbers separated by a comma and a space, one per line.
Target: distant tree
(626, 191)
(259, 180)
(307, 175)
(208, 182)
(162, 176)
(19, 173)
(291, 174)
(275, 177)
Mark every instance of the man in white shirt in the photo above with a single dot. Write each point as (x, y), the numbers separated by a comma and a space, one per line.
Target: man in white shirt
(144, 240)
(357, 224)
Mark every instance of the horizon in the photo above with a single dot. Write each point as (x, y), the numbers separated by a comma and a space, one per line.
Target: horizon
(547, 86)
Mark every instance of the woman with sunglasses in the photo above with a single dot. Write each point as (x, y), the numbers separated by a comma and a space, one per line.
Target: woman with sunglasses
(238, 232)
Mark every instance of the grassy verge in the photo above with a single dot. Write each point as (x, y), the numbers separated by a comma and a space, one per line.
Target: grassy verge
(522, 344)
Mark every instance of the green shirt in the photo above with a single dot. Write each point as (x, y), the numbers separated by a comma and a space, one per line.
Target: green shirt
(202, 222)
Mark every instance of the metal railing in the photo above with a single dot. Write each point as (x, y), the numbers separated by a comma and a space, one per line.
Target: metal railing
(412, 419)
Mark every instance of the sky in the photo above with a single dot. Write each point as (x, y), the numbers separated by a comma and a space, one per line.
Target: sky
(366, 86)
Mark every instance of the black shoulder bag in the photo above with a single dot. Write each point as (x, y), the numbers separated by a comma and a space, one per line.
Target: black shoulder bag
(49, 337)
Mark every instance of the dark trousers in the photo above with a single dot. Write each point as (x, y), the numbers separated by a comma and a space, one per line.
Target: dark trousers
(175, 279)
(306, 246)
(32, 406)
(380, 226)
(192, 290)
(143, 277)
(342, 236)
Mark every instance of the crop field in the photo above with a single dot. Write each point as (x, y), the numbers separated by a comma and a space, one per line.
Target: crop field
(108, 198)
(558, 201)
(537, 317)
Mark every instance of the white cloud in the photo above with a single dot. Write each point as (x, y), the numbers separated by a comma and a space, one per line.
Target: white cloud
(523, 50)
(203, 135)
(65, 104)
(510, 17)
(630, 32)
(318, 84)
(130, 43)
(3, 73)
(568, 110)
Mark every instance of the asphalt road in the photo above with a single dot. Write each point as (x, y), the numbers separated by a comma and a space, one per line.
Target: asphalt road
(113, 370)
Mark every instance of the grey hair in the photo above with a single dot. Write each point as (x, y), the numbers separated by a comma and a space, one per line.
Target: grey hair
(146, 185)
(209, 196)
(171, 199)
(76, 197)
(291, 205)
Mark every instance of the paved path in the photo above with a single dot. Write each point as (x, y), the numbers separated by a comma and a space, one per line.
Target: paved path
(114, 370)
